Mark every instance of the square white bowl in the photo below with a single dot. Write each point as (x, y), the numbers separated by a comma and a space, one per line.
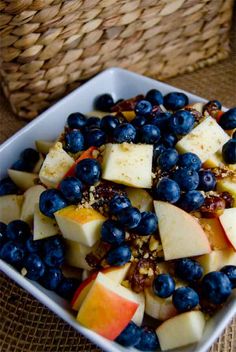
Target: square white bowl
(121, 84)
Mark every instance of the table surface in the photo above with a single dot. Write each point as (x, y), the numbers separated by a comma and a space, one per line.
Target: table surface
(25, 324)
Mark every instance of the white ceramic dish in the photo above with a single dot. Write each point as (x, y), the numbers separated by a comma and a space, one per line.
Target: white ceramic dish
(121, 84)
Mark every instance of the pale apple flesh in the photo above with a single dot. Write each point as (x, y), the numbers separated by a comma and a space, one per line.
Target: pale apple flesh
(181, 330)
(22, 179)
(181, 234)
(228, 221)
(215, 260)
(215, 233)
(10, 207)
(31, 198)
(43, 226)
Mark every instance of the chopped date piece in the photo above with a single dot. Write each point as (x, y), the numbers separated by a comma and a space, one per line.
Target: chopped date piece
(228, 198)
(213, 206)
(141, 274)
(127, 105)
(95, 258)
(212, 107)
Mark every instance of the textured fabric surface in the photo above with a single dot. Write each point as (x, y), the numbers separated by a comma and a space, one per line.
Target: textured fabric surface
(28, 326)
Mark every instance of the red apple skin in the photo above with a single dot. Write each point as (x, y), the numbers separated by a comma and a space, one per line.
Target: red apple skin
(85, 286)
(106, 312)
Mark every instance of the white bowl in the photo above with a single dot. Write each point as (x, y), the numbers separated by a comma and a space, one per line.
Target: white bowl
(121, 84)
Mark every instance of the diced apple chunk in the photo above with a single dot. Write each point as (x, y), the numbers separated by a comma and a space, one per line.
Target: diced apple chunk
(204, 140)
(55, 166)
(228, 221)
(128, 164)
(82, 225)
(76, 254)
(31, 197)
(10, 207)
(181, 235)
(43, 226)
(140, 198)
(181, 330)
(217, 259)
(215, 233)
(22, 179)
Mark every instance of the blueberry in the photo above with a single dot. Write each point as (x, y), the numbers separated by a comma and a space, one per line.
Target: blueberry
(163, 285)
(67, 287)
(93, 122)
(21, 165)
(88, 171)
(181, 122)
(30, 157)
(229, 151)
(51, 278)
(130, 335)
(230, 271)
(167, 190)
(216, 287)
(148, 224)
(112, 233)
(13, 253)
(129, 218)
(191, 201)
(186, 178)
(7, 186)
(175, 100)
(3, 233)
(18, 230)
(185, 299)
(161, 120)
(155, 97)
(148, 340)
(189, 270)
(168, 159)
(143, 107)
(53, 251)
(51, 201)
(33, 246)
(104, 102)
(71, 188)
(228, 119)
(157, 150)
(109, 123)
(124, 133)
(95, 137)
(119, 255)
(169, 140)
(207, 180)
(34, 266)
(118, 203)
(190, 160)
(74, 141)
(76, 120)
(149, 134)
(139, 121)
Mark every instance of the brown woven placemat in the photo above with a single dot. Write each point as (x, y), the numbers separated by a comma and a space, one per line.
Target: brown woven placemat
(28, 326)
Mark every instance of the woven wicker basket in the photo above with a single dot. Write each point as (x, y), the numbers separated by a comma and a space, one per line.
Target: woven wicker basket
(49, 47)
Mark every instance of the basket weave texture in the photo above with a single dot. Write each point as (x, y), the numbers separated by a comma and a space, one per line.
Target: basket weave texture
(49, 47)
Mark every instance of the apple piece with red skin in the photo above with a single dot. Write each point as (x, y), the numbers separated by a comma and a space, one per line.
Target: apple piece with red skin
(116, 274)
(107, 308)
(228, 221)
(181, 234)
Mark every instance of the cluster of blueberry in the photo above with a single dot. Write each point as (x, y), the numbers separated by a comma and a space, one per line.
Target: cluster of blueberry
(128, 218)
(87, 173)
(215, 287)
(37, 260)
(184, 183)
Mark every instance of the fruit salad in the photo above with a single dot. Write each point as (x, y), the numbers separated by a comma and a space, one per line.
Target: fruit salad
(130, 215)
